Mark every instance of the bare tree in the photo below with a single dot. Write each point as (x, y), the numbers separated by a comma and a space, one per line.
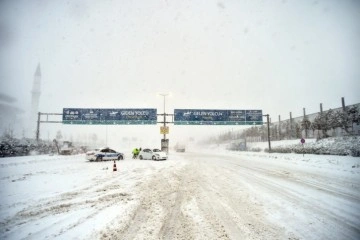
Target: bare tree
(58, 135)
(94, 138)
(287, 126)
(9, 133)
(274, 132)
(298, 130)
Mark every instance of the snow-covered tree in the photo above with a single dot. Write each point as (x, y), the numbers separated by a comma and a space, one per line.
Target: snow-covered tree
(324, 122)
(347, 117)
(305, 125)
(298, 130)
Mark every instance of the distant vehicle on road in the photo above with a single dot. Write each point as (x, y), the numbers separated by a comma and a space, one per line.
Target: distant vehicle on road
(104, 154)
(153, 154)
(67, 148)
(179, 147)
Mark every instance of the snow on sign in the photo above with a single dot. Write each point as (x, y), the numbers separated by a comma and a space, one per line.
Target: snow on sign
(217, 117)
(98, 116)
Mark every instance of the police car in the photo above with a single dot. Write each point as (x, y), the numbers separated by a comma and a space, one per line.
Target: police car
(104, 154)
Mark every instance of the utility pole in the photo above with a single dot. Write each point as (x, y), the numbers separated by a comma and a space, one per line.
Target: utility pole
(164, 95)
(164, 142)
(38, 128)
(106, 141)
(44, 121)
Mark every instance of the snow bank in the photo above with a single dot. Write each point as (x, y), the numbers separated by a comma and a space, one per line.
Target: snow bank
(330, 146)
(342, 146)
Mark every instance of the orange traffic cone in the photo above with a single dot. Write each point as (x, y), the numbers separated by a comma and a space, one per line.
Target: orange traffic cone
(114, 168)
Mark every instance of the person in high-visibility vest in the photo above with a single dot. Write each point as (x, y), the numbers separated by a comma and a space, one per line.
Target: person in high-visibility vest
(135, 153)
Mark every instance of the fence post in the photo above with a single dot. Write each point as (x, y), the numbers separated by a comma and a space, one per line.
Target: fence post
(279, 128)
(268, 130)
(291, 127)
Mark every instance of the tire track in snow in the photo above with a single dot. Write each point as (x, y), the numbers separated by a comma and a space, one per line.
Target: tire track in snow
(186, 203)
(101, 194)
(277, 183)
(227, 197)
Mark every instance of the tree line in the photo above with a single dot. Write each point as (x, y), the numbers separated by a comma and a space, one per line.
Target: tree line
(319, 127)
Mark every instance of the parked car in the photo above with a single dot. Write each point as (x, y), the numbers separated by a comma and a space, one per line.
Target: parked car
(104, 154)
(153, 154)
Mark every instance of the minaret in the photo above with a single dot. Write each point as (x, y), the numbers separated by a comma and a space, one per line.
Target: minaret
(35, 99)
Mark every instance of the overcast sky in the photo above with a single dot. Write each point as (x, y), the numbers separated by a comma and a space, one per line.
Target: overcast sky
(277, 56)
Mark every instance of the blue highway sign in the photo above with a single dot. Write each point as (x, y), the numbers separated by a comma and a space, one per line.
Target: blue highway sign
(217, 117)
(109, 116)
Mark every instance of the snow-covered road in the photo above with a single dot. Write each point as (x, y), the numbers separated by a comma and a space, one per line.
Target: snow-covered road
(193, 195)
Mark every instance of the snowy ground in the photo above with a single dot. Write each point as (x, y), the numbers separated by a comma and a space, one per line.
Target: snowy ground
(212, 194)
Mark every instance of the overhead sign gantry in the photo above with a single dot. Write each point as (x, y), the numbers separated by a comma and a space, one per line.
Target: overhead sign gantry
(148, 116)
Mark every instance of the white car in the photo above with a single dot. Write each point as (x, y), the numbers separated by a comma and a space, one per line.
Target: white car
(104, 154)
(153, 154)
